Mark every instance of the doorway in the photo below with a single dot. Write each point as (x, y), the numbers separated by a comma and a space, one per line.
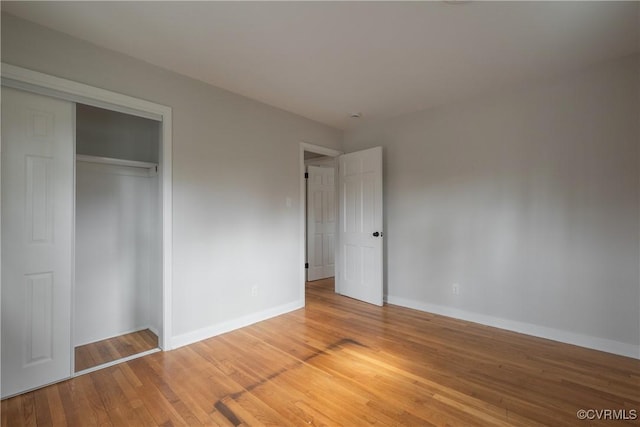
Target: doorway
(319, 215)
(359, 268)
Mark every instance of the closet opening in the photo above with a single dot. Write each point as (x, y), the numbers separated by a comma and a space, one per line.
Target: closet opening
(117, 295)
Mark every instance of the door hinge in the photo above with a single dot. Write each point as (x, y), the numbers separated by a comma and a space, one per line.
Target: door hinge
(306, 265)
(306, 175)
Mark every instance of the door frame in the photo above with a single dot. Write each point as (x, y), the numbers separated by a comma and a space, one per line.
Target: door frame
(55, 87)
(318, 149)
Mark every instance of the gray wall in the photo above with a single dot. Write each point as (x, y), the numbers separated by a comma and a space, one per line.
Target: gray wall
(235, 162)
(527, 199)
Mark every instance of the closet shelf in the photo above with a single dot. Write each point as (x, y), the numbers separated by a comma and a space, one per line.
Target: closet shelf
(116, 162)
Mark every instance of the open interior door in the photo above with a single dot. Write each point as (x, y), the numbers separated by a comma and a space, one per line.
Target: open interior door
(360, 266)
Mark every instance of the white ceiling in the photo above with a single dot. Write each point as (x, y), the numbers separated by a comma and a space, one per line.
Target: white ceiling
(324, 60)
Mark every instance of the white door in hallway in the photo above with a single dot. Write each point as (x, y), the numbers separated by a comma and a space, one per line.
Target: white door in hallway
(321, 222)
(360, 263)
(37, 203)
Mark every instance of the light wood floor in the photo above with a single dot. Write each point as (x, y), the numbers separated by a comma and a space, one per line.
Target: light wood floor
(97, 353)
(342, 362)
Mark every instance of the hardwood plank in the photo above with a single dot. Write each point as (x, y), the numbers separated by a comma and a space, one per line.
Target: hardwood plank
(58, 417)
(28, 409)
(100, 352)
(43, 413)
(342, 362)
(74, 406)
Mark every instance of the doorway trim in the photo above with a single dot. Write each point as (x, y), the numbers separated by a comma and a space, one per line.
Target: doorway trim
(318, 149)
(55, 87)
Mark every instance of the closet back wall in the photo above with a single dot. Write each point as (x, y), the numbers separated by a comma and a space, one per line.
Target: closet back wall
(118, 283)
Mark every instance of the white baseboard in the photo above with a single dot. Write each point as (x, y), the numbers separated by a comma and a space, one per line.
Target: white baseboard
(154, 330)
(609, 346)
(228, 326)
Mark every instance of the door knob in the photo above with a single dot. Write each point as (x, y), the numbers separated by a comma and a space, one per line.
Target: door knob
(376, 234)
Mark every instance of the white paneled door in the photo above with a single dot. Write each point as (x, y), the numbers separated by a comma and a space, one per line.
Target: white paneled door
(321, 222)
(360, 268)
(37, 203)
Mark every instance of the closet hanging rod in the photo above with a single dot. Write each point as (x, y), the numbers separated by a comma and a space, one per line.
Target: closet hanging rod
(116, 162)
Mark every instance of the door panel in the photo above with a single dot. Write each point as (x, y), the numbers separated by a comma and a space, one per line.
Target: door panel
(37, 203)
(38, 314)
(321, 222)
(360, 271)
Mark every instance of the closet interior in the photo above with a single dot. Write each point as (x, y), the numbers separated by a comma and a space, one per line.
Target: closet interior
(118, 283)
